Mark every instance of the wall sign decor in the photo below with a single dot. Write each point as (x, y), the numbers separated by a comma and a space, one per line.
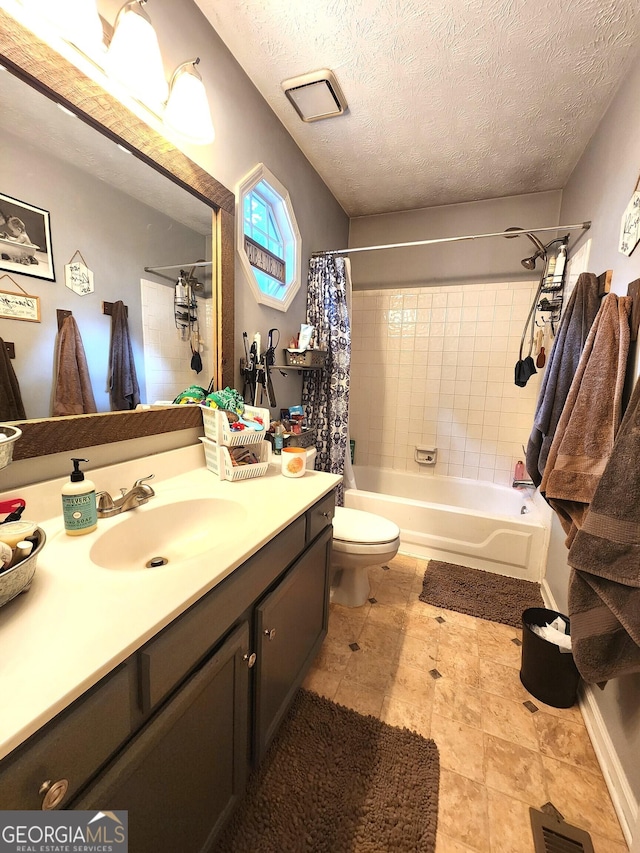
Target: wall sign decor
(264, 260)
(630, 224)
(77, 275)
(25, 239)
(18, 306)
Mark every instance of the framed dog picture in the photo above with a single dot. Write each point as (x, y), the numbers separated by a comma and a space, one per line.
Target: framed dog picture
(25, 239)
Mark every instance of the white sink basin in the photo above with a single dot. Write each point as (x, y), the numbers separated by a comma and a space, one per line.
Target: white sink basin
(167, 534)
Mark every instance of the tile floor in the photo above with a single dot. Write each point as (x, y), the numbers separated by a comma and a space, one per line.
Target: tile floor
(454, 678)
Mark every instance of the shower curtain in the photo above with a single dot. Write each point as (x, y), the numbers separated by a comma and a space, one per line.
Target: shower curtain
(325, 393)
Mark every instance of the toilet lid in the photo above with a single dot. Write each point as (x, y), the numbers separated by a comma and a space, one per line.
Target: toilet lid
(354, 525)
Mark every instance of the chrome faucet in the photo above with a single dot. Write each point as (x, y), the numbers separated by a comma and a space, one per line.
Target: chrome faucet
(523, 484)
(136, 496)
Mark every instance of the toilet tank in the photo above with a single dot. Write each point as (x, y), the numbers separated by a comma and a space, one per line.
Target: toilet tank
(311, 458)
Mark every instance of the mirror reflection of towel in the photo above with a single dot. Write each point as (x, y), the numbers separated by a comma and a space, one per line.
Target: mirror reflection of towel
(72, 393)
(11, 406)
(124, 391)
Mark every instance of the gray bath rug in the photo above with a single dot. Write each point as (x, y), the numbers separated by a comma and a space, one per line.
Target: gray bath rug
(482, 594)
(336, 781)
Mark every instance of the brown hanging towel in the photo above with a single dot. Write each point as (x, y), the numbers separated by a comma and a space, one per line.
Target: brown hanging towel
(124, 392)
(11, 405)
(575, 324)
(72, 393)
(591, 417)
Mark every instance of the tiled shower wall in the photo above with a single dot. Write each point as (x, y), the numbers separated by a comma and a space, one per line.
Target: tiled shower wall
(167, 359)
(435, 366)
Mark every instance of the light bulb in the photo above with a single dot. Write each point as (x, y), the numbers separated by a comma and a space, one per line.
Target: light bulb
(187, 111)
(76, 21)
(134, 58)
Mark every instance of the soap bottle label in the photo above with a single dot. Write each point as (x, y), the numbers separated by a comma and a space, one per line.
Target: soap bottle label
(79, 511)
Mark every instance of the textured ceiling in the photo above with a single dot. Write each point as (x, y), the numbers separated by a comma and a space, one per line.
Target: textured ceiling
(449, 100)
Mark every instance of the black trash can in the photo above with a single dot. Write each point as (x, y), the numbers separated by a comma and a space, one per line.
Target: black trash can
(546, 672)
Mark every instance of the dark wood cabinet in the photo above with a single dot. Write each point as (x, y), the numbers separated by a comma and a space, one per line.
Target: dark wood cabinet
(291, 623)
(170, 735)
(181, 776)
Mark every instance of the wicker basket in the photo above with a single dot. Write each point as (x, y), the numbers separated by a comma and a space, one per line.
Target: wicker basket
(308, 358)
(218, 429)
(219, 461)
(10, 435)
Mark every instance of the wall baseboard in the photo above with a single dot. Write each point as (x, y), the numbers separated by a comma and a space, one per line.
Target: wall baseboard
(624, 802)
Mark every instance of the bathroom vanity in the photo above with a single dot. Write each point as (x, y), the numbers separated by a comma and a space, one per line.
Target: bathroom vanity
(157, 690)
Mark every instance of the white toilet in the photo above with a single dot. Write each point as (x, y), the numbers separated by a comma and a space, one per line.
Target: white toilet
(360, 540)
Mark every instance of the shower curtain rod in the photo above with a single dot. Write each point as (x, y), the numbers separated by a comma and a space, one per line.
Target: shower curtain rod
(584, 225)
(176, 267)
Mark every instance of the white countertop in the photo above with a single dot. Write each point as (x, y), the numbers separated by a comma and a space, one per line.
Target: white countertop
(78, 621)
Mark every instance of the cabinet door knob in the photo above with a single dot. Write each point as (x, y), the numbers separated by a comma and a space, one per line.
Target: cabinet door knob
(270, 633)
(326, 514)
(250, 659)
(54, 793)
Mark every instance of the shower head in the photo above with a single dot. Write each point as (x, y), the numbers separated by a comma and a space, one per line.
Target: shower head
(529, 263)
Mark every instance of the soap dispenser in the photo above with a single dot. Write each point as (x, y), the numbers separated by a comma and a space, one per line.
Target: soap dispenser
(79, 502)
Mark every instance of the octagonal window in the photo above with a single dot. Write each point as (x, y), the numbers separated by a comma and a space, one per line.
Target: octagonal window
(268, 238)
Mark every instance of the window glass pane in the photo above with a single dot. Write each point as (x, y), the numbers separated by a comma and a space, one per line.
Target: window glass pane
(269, 285)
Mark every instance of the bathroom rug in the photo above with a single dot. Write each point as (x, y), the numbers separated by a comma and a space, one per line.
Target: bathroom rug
(477, 593)
(335, 781)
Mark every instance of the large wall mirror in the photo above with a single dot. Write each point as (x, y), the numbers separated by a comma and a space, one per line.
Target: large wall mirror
(121, 212)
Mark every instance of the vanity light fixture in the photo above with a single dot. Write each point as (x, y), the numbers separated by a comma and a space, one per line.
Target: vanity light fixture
(133, 57)
(187, 111)
(77, 21)
(315, 95)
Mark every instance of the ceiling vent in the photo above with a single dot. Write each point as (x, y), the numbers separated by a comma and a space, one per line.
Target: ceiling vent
(316, 95)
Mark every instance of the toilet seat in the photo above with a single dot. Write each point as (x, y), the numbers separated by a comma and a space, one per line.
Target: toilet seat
(360, 540)
(355, 531)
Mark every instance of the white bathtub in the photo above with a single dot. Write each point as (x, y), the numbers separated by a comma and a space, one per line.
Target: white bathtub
(469, 522)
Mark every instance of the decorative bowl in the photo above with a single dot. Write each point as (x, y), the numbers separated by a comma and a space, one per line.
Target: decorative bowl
(18, 578)
(8, 436)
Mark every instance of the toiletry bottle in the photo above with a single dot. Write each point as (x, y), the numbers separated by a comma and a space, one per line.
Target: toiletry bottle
(519, 473)
(560, 262)
(278, 440)
(79, 502)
